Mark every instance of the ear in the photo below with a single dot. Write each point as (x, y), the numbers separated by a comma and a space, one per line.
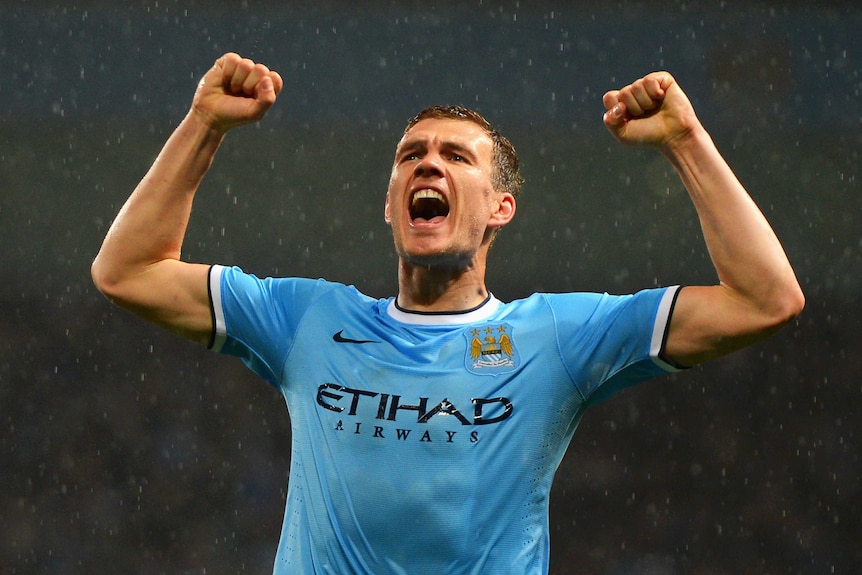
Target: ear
(386, 215)
(505, 210)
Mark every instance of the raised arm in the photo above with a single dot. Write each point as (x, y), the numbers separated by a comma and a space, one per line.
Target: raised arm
(757, 291)
(138, 266)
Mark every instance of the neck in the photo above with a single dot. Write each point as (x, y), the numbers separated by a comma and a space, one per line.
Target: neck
(437, 289)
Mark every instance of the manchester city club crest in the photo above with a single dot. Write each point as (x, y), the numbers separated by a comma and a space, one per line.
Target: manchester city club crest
(491, 349)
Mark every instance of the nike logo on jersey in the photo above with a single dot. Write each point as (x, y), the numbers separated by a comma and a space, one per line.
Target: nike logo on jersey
(337, 337)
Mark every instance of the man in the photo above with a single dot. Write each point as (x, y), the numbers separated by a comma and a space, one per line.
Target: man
(427, 427)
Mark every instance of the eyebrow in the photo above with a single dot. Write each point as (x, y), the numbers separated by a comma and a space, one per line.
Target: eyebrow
(447, 145)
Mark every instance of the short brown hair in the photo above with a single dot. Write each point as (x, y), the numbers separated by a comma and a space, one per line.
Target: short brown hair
(506, 176)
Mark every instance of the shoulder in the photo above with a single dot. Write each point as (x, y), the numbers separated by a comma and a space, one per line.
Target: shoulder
(593, 307)
(646, 298)
(554, 302)
(232, 288)
(234, 278)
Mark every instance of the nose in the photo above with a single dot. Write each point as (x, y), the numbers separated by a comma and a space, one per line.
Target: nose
(429, 165)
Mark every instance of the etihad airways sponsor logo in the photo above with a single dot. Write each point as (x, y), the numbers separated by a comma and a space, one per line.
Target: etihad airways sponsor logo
(389, 407)
(370, 408)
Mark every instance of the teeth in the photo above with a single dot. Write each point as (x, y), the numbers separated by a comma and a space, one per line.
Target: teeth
(428, 195)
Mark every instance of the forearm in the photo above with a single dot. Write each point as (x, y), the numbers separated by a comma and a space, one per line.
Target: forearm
(747, 255)
(151, 225)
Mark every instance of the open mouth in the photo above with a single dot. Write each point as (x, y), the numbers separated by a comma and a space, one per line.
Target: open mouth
(428, 205)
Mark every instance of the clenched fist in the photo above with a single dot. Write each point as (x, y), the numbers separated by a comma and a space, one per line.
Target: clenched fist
(235, 91)
(650, 111)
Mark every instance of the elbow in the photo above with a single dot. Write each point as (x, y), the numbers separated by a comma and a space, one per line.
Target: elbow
(798, 302)
(97, 274)
(788, 305)
(779, 309)
(100, 277)
(794, 300)
(106, 281)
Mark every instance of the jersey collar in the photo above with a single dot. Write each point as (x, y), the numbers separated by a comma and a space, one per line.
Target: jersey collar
(479, 313)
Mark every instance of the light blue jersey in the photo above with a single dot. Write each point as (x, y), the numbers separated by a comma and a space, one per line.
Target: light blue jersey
(427, 443)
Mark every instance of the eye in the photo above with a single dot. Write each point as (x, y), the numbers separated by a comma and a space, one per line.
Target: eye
(457, 158)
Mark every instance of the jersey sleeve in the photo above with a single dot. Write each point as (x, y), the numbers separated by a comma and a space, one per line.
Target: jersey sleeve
(616, 342)
(256, 319)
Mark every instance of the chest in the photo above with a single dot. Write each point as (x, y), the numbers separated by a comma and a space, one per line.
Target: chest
(463, 376)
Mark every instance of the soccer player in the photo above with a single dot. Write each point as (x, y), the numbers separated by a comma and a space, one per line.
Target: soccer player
(427, 427)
